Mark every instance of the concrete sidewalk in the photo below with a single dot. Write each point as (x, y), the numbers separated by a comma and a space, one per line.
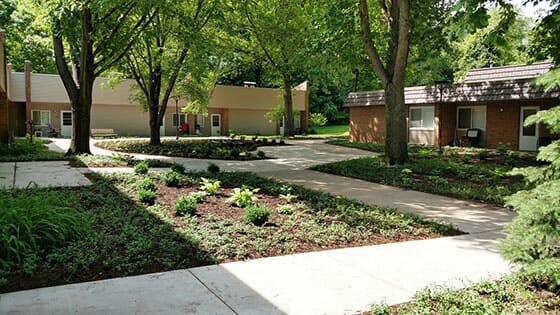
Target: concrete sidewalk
(40, 174)
(343, 281)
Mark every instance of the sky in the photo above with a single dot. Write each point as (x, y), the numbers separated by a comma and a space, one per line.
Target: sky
(529, 9)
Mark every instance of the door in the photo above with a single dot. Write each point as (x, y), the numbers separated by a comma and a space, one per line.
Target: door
(66, 124)
(281, 124)
(528, 136)
(216, 124)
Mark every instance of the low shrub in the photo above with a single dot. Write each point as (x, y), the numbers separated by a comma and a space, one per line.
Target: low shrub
(317, 120)
(213, 168)
(210, 186)
(179, 168)
(242, 197)
(185, 206)
(261, 154)
(198, 196)
(483, 154)
(147, 196)
(170, 178)
(256, 214)
(147, 184)
(285, 209)
(141, 168)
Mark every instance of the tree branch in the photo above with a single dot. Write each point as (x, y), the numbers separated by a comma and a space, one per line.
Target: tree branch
(371, 50)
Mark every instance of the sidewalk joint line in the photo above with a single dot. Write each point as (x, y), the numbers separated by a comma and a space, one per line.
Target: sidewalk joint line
(14, 179)
(214, 293)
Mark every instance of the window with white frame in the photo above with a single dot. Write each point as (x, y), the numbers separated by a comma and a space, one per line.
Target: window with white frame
(422, 117)
(182, 120)
(41, 117)
(200, 120)
(471, 117)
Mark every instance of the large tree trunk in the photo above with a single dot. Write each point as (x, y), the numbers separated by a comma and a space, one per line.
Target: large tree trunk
(392, 74)
(288, 107)
(155, 136)
(396, 151)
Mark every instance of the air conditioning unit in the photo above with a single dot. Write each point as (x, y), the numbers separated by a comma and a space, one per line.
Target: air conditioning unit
(38, 133)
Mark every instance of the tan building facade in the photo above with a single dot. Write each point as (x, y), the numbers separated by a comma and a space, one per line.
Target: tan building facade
(42, 100)
(494, 101)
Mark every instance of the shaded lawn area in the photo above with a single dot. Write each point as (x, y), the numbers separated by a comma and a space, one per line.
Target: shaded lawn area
(462, 176)
(208, 149)
(104, 231)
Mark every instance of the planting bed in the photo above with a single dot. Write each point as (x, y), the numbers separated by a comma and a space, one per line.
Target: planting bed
(120, 236)
(208, 149)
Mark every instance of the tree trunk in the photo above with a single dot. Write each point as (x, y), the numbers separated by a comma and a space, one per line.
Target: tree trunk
(288, 107)
(155, 136)
(396, 151)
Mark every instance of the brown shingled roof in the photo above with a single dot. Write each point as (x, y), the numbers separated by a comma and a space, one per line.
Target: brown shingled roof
(514, 85)
(515, 72)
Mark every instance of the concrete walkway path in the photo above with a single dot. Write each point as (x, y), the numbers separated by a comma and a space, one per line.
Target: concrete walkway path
(342, 281)
(40, 174)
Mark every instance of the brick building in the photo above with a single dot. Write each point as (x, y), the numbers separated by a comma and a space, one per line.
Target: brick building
(494, 100)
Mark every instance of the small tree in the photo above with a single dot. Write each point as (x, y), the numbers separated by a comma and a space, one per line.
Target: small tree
(533, 238)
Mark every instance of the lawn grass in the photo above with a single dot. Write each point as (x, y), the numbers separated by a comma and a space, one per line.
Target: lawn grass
(325, 132)
(208, 149)
(122, 236)
(461, 176)
(26, 150)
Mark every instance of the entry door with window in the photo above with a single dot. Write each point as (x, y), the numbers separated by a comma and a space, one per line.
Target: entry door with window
(528, 136)
(66, 124)
(216, 124)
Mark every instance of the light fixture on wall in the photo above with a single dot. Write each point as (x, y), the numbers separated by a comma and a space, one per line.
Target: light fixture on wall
(501, 109)
(441, 84)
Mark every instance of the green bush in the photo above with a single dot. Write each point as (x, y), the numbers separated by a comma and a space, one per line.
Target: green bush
(170, 178)
(242, 197)
(185, 206)
(210, 186)
(141, 168)
(147, 184)
(256, 214)
(483, 154)
(543, 273)
(147, 196)
(261, 154)
(179, 168)
(198, 196)
(317, 120)
(31, 225)
(213, 168)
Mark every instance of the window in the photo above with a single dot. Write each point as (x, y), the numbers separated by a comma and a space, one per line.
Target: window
(471, 117)
(41, 117)
(181, 120)
(421, 118)
(200, 120)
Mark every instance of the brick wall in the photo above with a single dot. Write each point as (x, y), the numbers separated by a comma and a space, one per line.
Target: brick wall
(367, 124)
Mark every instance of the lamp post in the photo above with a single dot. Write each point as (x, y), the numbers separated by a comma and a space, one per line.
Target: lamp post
(176, 98)
(441, 84)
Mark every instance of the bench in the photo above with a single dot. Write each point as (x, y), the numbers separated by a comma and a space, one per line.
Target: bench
(103, 133)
